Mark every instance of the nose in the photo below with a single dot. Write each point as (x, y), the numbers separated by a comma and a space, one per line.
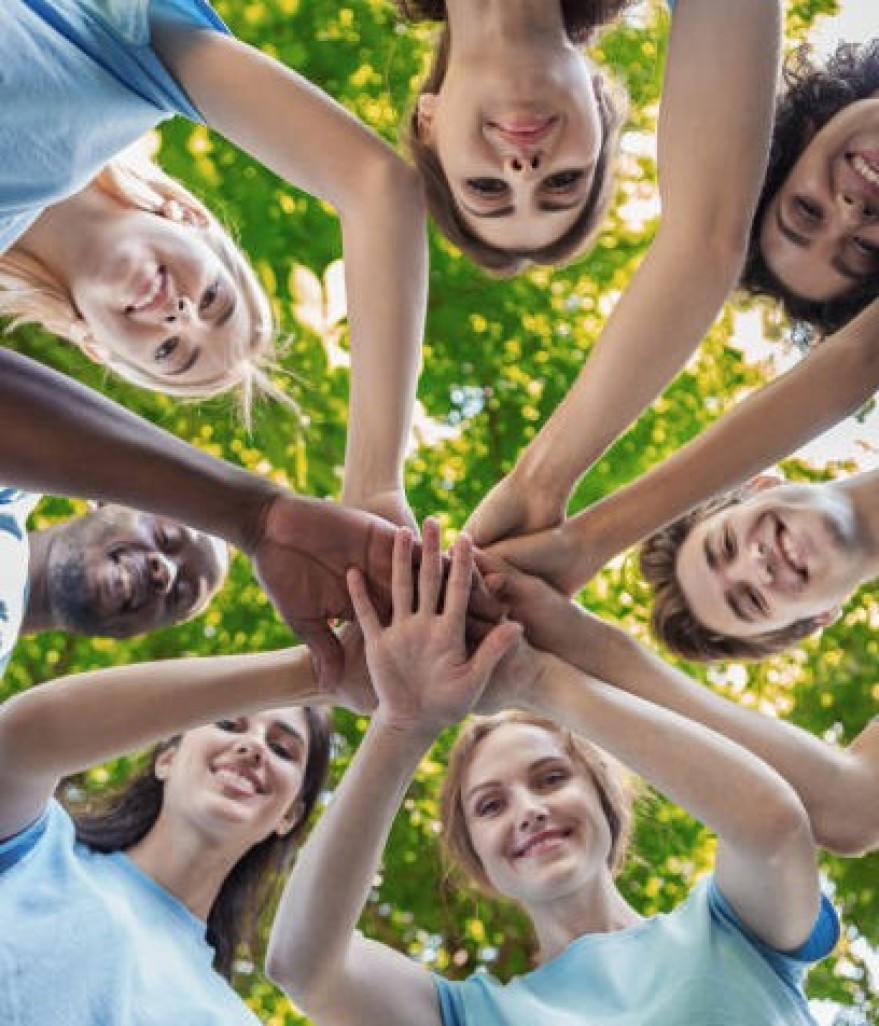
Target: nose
(531, 817)
(523, 162)
(162, 571)
(182, 310)
(854, 210)
(250, 749)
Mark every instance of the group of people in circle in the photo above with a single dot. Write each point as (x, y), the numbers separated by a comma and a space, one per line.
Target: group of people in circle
(133, 909)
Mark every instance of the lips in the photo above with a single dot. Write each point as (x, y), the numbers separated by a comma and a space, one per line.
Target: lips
(540, 844)
(864, 166)
(151, 294)
(524, 131)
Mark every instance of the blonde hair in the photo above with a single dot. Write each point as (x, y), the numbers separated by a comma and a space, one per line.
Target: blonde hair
(31, 294)
(607, 774)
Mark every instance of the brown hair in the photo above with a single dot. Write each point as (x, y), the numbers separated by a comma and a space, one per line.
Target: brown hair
(608, 776)
(582, 20)
(671, 618)
(30, 293)
(116, 821)
(813, 94)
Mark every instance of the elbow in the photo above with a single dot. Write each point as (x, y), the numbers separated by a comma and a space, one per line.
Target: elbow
(847, 824)
(780, 825)
(390, 181)
(291, 969)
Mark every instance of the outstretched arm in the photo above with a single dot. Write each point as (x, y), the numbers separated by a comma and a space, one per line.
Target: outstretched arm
(70, 724)
(718, 95)
(315, 144)
(424, 681)
(65, 439)
(838, 787)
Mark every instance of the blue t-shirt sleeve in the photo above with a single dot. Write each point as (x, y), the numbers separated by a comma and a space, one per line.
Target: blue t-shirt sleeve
(791, 966)
(15, 848)
(451, 1007)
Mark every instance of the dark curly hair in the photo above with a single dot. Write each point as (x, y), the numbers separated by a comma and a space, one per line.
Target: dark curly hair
(813, 93)
(671, 618)
(583, 18)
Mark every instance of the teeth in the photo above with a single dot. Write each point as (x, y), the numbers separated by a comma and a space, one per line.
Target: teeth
(790, 552)
(865, 169)
(155, 288)
(236, 780)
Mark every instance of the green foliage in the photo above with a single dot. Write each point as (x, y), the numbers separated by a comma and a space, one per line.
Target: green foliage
(499, 356)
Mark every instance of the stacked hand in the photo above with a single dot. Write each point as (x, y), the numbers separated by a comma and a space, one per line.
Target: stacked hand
(424, 678)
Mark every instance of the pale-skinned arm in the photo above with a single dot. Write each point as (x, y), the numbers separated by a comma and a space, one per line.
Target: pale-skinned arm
(838, 787)
(67, 725)
(832, 383)
(312, 142)
(718, 94)
(424, 681)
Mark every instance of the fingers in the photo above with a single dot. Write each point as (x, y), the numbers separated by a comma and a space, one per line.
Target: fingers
(365, 611)
(458, 585)
(325, 648)
(401, 574)
(430, 576)
(494, 647)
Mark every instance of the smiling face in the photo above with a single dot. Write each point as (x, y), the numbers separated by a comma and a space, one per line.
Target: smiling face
(119, 573)
(238, 780)
(786, 554)
(154, 294)
(518, 138)
(820, 232)
(534, 816)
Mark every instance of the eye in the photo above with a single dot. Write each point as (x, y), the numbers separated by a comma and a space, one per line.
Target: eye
(807, 209)
(488, 807)
(166, 350)
(230, 726)
(554, 777)
(562, 181)
(868, 249)
(487, 186)
(287, 750)
(209, 296)
(730, 548)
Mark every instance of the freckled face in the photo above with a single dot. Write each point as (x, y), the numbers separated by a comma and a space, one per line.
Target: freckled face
(534, 817)
(155, 295)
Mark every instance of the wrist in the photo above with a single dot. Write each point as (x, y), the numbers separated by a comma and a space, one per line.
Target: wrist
(540, 472)
(404, 736)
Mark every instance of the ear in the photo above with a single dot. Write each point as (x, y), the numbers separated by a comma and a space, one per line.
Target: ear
(291, 818)
(763, 481)
(164, 761)
(425, 110)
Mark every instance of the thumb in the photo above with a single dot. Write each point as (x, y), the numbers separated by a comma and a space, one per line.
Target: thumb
(329, 658)
(494, 647)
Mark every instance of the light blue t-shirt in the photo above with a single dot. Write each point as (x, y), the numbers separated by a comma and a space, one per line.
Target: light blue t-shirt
(697, 966)
(89, 940)
(79, 82)
(15, 508)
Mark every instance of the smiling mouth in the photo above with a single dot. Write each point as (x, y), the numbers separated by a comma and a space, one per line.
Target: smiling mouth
(152, 294)
(545, 841)
(866, 167)
(790, 553)
(526, 131)
(235, 780)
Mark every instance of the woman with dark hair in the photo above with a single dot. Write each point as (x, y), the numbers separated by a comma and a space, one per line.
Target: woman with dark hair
(132, 911)
(516, 126)
(815, 239)
(540, 817)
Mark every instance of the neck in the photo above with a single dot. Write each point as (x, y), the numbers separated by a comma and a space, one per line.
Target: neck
(862, 491)
(57, 239)
(39, 615)
(596, 908)
(530, 23)
(185, 864)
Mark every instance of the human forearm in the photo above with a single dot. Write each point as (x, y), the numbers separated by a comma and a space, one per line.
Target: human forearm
(718, 782)
(385, 244)
(314, 929)
(69, 724)
(833, 382)
(63, 438)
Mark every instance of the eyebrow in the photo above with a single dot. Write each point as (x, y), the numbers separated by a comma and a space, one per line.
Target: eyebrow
(546, 205)
(710, 554)
(837, 263)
